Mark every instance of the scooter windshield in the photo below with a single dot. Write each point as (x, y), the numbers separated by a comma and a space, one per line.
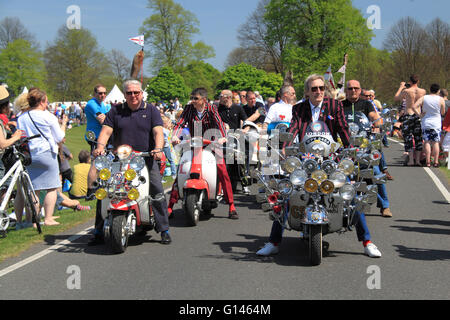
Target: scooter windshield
(361, 120)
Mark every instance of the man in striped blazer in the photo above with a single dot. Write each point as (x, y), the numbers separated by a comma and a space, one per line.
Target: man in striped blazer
(319, 108)
(201, 112)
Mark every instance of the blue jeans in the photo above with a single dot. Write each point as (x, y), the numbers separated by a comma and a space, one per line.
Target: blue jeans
(362, 230)
(383, 201)
(168, 154)
(382, 165)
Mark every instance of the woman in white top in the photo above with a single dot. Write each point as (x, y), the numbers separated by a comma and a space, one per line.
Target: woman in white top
(431, 108)
(44, 169)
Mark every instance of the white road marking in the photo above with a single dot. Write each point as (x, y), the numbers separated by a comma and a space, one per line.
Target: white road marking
(433, 177)
(45, 252)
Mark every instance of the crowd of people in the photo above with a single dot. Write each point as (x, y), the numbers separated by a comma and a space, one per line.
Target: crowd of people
(420, 122)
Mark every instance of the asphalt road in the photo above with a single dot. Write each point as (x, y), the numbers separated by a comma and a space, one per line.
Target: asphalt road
(216, 260)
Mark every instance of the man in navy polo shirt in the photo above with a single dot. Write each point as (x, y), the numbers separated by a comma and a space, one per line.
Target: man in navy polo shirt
(139, 125)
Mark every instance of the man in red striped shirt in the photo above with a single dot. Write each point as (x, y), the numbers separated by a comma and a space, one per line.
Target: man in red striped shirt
(201, 112)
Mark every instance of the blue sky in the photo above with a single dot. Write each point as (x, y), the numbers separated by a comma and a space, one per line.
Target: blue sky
(113, 22)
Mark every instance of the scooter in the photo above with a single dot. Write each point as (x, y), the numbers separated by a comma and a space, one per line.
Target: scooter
(123, 189)
(198, 179)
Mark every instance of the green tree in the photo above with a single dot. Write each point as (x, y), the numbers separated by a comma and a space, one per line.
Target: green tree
(169, 30)
(21, 66)
(318, 33)
(75, 64)
(246, 77)
(166, 86)
(201, 75)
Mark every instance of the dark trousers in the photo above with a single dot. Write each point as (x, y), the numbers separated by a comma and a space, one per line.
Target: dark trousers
(159, 207)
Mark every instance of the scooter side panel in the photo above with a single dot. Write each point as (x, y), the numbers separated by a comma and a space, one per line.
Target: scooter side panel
(184, 171)
(209, 172)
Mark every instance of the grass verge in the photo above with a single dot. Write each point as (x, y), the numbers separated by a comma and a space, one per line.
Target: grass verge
(19, 241)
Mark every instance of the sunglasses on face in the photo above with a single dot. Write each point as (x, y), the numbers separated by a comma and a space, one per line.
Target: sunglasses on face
(196, 98)
(316, 89)
(135, 93)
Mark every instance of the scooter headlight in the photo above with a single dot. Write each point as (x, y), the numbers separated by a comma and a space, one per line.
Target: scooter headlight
(347, 166)
(102, 162)
(329, 166)
(327, 187)
(124, 151)
(347, 192)
(311, 185)
(291, 164)
(285, 187)
(338, 178)
(319, 176)
(298, 177)
(130, 175)
(105, 174)
(137, 163)
(133, 194)
(310, 166)
(101, 194)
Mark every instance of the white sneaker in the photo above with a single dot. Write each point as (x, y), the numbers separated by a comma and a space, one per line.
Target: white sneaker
(268, 250)
(372, 251)
(246, 190)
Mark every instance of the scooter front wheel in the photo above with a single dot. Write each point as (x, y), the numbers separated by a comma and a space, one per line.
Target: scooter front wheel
(315, 245)
(118, 238)
(191, 210)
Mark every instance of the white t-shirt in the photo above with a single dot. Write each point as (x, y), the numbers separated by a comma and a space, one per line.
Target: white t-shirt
(432, 109)
(49, 126)
(279, 112)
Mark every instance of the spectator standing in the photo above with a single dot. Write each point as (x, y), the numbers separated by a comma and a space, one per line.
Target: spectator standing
(431, 107)
(412, 130)
(95, 110)
(252, 108)
(43, 170)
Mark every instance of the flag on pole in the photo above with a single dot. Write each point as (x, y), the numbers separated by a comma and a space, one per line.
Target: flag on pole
(329, 77)
(138, 40)
(343, 69)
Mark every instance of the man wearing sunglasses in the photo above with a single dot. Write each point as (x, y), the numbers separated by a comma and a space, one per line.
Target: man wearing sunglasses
(139, 125)
(354, 103)
(200, 111)
(319, 108)
(95, 110)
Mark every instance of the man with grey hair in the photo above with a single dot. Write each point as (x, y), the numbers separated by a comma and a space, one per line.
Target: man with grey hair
(138, 124)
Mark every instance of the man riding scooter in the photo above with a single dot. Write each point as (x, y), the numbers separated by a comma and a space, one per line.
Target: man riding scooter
(201, 112)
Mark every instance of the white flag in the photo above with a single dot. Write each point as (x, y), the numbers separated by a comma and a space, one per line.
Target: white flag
(343, 69)
(138, 40)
